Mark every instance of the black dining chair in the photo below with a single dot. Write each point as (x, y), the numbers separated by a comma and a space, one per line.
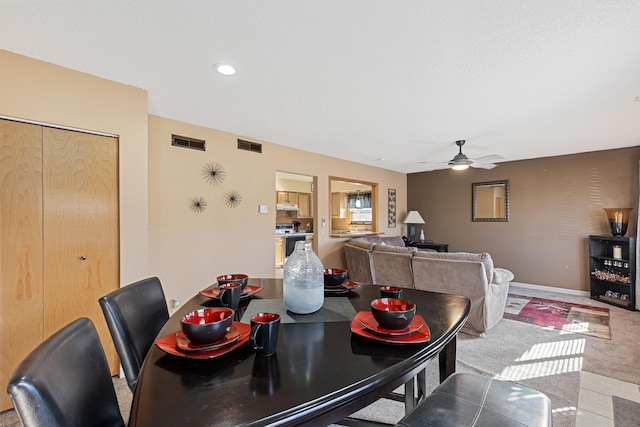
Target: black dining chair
(135, 314)
(66, 381)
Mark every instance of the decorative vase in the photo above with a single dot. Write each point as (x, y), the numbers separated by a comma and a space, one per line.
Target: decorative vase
(303, 280)
(618, 220)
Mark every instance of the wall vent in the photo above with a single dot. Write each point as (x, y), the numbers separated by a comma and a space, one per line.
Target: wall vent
(185, 141)
(249, 146)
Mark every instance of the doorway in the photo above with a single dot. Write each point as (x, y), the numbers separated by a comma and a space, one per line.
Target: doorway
(296, 201)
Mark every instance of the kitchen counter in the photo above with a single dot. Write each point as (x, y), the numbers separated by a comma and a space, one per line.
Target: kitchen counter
(295, 234)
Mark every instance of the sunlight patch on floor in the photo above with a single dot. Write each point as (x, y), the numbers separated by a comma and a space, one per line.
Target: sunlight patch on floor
(541, 369)
(553, 349)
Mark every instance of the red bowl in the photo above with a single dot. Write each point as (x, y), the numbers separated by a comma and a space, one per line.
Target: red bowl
(207, 325)
(243, 279)
(392, 313)
(391, 292)
(334, 277)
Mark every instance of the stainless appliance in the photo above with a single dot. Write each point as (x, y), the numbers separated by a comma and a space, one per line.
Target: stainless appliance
(290, 238)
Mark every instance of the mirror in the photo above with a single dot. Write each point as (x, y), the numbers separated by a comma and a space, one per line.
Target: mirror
(490, 201)
(353, 207)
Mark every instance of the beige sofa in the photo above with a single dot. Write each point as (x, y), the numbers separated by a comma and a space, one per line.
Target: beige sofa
(384, 261)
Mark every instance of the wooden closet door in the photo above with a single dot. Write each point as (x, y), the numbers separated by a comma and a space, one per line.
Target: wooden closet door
(81, 249)
(20, 246)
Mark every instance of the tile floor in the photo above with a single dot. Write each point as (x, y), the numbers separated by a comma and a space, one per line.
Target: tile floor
(595, 407)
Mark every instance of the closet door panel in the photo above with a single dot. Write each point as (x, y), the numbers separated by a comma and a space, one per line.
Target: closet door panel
(80, 229)
(20, 245)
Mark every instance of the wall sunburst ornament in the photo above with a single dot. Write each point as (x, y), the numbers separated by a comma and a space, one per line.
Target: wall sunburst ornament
(213, 173)
(233, 199)
(198, 204)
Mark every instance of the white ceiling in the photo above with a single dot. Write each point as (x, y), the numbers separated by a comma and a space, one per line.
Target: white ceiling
(364, 79)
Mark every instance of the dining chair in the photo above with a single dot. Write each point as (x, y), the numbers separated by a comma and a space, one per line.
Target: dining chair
(66, 381)
(135, 314)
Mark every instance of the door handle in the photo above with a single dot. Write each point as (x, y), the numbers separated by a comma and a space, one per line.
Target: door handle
(83, 258)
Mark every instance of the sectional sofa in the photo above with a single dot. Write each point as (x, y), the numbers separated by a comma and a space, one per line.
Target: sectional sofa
(386, 260)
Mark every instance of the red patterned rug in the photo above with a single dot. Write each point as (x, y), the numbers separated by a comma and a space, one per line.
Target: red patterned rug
(565, 316)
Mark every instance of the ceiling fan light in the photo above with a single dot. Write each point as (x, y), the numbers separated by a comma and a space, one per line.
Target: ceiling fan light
(460, 167)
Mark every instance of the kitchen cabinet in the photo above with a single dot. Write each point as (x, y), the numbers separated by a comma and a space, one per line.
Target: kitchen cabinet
(338, 205)
(612, 270)
(304, 205)
(58, 236)
(287, 197)
(279, 251)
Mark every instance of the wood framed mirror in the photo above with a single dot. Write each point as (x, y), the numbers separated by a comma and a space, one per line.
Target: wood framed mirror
(490, 201)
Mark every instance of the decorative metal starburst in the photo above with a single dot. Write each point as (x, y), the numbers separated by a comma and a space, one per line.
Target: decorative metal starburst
(233, 199)
(198, 204)
(213, 173)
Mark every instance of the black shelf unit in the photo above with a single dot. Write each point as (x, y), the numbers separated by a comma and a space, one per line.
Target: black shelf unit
(612, 279)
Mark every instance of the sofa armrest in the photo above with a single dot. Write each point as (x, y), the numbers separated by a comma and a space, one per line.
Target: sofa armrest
(501, 276)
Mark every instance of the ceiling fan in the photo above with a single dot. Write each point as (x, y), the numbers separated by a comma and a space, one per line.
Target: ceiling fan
(460, 161)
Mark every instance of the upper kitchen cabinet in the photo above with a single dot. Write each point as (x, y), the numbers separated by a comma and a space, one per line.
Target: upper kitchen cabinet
(290, 197)
(304, 205)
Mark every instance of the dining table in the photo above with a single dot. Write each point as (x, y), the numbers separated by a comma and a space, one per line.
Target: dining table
(323, 369)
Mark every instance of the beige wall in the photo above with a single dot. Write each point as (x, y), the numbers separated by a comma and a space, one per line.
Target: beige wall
(159, 234)
(188, 250)
(39, 91)
(556, 203)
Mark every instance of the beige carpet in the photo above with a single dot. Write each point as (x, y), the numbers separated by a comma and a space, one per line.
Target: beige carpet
(547, 359)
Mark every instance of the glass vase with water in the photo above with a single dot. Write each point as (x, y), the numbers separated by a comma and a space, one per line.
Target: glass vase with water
(303, 280)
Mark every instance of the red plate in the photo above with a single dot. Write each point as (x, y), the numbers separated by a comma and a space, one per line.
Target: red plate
(420, 336)
(246, 292)
(367, 320)
(184, 344)
(169, 344)
(346, 286)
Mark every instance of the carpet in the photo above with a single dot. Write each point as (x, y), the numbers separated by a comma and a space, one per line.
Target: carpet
(561, 315)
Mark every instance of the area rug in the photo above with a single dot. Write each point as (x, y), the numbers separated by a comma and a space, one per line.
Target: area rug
(565, 316)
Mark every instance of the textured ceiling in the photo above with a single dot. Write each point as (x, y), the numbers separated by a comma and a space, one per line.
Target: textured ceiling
(364, 79)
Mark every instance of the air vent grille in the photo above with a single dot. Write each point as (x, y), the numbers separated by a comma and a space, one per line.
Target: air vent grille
(185, 141)
(249, 146)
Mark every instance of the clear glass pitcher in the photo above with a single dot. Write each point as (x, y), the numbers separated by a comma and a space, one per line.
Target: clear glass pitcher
(303, 284)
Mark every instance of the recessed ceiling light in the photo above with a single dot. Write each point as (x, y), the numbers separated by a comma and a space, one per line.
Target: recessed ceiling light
(225, 69)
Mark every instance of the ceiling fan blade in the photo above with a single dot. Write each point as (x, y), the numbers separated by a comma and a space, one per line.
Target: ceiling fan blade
(483, 165)
(488, 159)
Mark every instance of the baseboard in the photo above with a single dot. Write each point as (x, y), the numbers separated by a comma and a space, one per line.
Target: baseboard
(549, 289)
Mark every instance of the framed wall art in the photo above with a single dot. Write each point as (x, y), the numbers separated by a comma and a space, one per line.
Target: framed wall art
(392, 208)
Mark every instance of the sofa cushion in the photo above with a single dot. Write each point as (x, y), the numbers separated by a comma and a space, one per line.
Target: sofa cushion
(362, 243)
(484, 258)
(395, 249)
(379, 240)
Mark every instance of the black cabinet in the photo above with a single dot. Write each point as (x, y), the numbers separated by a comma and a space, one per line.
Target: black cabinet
(612, 270)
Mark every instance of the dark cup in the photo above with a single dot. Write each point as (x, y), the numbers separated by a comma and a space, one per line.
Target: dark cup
(391, 292)
(264, 333)
(229, 295)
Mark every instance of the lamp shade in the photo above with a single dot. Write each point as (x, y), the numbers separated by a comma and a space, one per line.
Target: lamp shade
(413, 217)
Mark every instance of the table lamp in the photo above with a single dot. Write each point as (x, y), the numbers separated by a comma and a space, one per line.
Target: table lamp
(412, 218)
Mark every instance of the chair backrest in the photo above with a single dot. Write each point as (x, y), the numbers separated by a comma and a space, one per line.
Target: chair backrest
(66, 381)
(135, 314)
